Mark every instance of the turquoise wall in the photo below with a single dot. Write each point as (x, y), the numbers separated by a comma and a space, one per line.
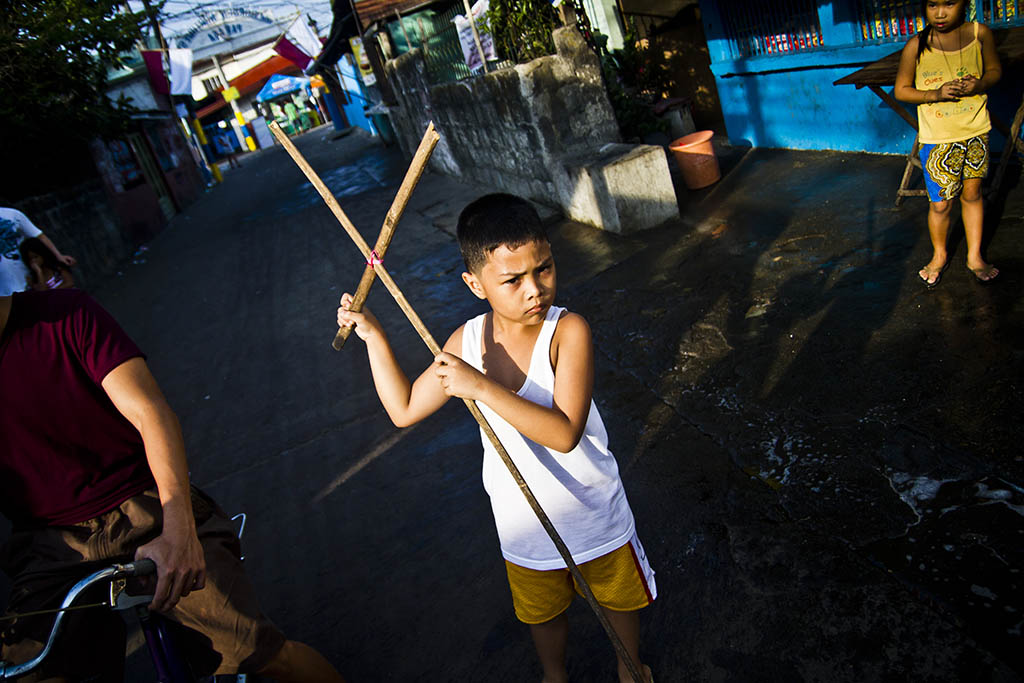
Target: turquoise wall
(352, 83)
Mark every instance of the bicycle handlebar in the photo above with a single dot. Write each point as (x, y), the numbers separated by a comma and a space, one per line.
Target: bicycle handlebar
(141, 567)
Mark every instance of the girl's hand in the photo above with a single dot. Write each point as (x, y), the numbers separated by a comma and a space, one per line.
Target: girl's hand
(67, 260)
(458, 378)
(969, 85)
(949, 92)
(365, 322)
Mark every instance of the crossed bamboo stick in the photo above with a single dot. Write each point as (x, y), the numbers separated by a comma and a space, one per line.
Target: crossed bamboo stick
(375, 268)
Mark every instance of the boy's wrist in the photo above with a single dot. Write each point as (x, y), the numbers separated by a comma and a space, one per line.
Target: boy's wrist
(374, 335)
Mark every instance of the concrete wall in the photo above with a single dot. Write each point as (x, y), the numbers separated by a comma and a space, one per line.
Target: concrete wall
(81, 222)
(505, 128)
(544, 130)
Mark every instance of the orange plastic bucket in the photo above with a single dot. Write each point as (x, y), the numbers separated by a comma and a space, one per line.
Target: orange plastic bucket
(696, 159)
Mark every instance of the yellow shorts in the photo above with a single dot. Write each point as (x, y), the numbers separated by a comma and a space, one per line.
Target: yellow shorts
(621, 581)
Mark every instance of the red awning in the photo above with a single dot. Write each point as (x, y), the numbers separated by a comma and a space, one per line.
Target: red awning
(252, 80)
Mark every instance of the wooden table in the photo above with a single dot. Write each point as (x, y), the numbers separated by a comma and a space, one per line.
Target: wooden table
(882, 73)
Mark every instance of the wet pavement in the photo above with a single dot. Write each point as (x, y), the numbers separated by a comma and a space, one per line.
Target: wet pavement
(823, 456)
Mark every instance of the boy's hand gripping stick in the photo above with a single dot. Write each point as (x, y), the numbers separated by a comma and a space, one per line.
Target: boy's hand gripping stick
(412, 177)
(425, 335)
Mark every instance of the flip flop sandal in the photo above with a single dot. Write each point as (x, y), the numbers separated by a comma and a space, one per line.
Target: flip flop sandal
(931, 271)
(985, 275)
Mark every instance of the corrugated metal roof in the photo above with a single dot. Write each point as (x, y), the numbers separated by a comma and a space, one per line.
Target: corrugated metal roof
(370, 11)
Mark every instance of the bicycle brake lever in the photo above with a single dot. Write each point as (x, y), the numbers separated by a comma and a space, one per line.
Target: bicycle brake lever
(120, 600)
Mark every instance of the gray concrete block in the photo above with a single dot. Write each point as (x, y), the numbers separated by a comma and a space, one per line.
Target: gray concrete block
(619, 187)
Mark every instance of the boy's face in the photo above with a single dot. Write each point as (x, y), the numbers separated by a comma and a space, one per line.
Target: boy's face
(518, 283)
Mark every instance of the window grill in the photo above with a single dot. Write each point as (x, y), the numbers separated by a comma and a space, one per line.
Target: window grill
(996, 13)
(442, 51)
(212, 84)
(771, 26)
(897, 20)
(889, 20)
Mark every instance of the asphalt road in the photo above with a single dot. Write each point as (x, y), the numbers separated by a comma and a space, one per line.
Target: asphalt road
(823, 457)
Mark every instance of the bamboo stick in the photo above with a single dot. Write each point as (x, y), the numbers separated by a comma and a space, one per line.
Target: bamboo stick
(431, 344)
(412, 177)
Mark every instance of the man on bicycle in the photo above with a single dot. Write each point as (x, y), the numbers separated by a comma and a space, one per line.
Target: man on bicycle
(93, 471)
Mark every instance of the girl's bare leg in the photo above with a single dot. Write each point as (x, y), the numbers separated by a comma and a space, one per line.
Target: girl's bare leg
(627, 626)
(550, 639)
(938, 230)
(973, 210)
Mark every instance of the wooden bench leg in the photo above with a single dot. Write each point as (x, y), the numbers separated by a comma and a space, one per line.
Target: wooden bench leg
(912, 161)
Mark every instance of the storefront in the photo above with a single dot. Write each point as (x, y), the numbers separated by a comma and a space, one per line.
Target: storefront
(288, 100)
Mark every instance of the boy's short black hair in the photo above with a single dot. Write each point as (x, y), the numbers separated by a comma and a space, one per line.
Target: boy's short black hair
(495, 220)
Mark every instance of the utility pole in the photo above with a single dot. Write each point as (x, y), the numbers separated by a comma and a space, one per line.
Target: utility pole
(155, 24)
(245, 141)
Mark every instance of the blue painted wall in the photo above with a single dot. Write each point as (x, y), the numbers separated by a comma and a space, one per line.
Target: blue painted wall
(355, 110)
(788, 100)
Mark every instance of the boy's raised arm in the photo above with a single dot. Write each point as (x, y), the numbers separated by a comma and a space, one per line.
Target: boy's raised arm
(405, 403)
(559, 427)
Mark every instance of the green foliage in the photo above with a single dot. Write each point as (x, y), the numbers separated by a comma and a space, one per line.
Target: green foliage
(635, 83)
(521, 29)
(54, 57)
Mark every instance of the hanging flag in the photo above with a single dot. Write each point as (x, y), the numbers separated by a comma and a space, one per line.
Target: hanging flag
(291, 52)
(154, 60)
(301, 35)
(299, 44)
(181, 71)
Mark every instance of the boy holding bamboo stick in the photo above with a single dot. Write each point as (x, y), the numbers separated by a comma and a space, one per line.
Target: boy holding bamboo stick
(530, 365)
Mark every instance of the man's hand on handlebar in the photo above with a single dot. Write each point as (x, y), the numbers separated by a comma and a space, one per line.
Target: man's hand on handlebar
(181, 567)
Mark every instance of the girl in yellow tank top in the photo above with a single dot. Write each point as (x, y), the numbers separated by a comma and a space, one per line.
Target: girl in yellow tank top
(946, 70)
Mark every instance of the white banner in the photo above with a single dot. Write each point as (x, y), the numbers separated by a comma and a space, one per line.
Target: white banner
(302, 36)
(180, 71)
(465, 29)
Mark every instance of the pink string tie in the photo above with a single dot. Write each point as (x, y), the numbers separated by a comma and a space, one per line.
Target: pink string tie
(374, 260)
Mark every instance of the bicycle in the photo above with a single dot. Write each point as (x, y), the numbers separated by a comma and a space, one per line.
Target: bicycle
(169, 665)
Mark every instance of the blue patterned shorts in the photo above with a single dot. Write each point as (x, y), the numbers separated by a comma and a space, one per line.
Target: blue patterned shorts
(946, 164)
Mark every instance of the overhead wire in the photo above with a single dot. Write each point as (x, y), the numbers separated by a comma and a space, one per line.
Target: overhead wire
(176, 15)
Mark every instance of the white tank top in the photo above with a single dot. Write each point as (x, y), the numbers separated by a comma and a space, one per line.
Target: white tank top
(580, 491)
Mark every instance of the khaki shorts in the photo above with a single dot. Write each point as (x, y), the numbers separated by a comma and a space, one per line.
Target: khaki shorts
(621, 581)
(222, 629)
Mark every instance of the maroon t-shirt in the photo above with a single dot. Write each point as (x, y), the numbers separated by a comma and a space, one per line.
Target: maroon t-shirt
(66, 453)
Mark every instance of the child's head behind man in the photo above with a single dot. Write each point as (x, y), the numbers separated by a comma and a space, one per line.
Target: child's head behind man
(33, 251)
(496, 220)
